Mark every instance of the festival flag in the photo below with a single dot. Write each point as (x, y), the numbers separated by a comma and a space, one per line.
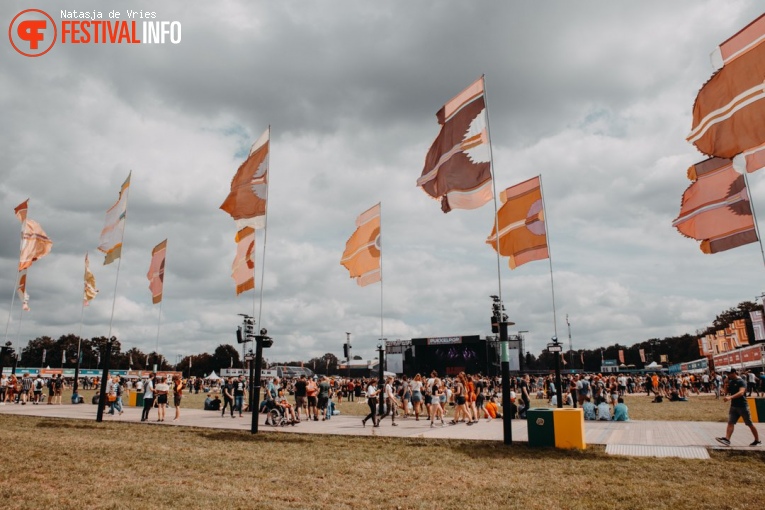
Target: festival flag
(621, 356)
(715, 209)
(130, 359)
(90, 290)
(758, 325)
(242, 270)
(581, 357)
(458, 165)
(247, 202)
(43, 355)
(562, 358)
(642, 355)
(35, 244)
(113, 233)
(664, 358)
(21, 289)
(191, 359)
(521, 219)
(363, 249)
(156, 273)
(63, 357)
(21, 210)
(728, 112)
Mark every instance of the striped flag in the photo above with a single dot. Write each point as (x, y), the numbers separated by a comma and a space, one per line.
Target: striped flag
(716, 209)
(113, 233)
(156, 274)
(90, 290)
(457, 167)
(243, 267)
(521, 219)
(728, 112)
(363, 249)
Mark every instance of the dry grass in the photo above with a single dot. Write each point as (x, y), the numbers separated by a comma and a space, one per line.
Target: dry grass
(73, 464)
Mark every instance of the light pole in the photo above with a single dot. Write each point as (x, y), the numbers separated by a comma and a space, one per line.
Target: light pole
(499, 321)
(348, 352)
(261, 341)
(555, 349)
(381, 376)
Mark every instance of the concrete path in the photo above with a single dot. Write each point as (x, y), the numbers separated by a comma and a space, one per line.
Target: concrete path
(635, 438)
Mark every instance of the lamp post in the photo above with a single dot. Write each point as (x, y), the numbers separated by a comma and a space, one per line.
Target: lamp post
(381, 376)
(500, 323)
(348, 356)
(104, 378)
(555, 349)
(261, 341)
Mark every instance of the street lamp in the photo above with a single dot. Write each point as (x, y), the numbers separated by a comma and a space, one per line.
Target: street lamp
(261, 341)
(500, 323)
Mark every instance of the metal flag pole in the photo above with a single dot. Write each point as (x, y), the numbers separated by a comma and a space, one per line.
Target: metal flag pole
(754, 216)
(265, 231)
(507, 429)
(382, 336)
(558, 386)
(108, 346)
(76, 384)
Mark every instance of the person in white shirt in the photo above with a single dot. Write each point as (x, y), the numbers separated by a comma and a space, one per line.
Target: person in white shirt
(390, 401)
(372, 394)
(604, 410)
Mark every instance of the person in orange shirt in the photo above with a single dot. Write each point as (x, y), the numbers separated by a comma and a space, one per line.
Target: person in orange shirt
(655, 383)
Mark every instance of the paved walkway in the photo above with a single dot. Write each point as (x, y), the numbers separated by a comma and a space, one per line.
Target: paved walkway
(635, 438)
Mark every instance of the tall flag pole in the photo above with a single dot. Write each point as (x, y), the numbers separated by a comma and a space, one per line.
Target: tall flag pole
(549, 257)
(247, 203)
(156, 276)
(112, 237)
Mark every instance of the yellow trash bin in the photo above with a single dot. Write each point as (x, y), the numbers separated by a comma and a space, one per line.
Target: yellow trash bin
(569, 428)
(132, 398)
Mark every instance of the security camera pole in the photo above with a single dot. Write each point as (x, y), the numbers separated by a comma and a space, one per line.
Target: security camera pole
(261, 341)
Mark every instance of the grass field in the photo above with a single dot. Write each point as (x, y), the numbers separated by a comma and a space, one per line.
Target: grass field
(56, 463)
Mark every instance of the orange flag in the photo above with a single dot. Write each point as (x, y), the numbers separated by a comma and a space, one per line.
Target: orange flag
(35, 244)
(247, 200)
(715, 209)
(522, 235)
(156, 274)
(362, 251)
(242, 270)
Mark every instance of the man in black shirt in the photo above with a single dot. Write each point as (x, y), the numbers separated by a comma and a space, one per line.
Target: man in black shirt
(300, 396)
(738, 408)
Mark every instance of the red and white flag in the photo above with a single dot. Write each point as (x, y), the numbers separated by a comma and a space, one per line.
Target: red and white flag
(113, 233)
(35, 244)
(21, 289)
(243, 268)
(457, 168)
(156, 274)
(642, 355)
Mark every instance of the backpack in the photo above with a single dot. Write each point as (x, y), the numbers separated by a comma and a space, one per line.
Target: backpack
(38, 384)
(58, 383)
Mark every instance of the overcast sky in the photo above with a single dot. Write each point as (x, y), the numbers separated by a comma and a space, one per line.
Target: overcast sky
(594, 96)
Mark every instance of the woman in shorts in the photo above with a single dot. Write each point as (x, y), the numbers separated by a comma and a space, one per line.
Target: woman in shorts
(161, 390)
(416, 387)
(436, 392)
(177, 395)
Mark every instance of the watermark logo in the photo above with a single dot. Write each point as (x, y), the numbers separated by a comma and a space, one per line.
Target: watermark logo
(32, 32)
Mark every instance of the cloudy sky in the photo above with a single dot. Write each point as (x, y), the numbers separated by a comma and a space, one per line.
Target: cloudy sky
(594, 96)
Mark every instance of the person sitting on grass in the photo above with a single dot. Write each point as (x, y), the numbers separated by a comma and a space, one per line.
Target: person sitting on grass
(620, 410)
(589, 409)
(604, 410)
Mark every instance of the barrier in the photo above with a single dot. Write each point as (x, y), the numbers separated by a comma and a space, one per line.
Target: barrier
(561, 428)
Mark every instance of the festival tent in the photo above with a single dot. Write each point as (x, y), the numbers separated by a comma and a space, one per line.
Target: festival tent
(213, 377)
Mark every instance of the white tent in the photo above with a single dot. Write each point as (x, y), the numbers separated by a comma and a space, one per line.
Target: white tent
(213, 377)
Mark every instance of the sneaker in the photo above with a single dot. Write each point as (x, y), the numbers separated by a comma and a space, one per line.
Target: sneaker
(723, 441)
(396, 425)
(755, 443)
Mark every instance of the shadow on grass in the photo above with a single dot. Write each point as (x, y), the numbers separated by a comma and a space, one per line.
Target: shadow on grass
(66, 424)
(247, 437)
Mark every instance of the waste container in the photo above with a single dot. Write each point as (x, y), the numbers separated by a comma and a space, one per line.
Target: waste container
(138, 399)
(756, 410)
(540, 423)
(569, 428)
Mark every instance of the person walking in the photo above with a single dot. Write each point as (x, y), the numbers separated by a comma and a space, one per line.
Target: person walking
(162, 390)
(240, 385)
(391, 402)
(148, 396)
(228, 397)
(372, 393)
(739, 408)
(177, 395)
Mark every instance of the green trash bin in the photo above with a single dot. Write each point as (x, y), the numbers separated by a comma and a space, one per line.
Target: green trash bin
(139, 399)
(759, 405)
(541, 427)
